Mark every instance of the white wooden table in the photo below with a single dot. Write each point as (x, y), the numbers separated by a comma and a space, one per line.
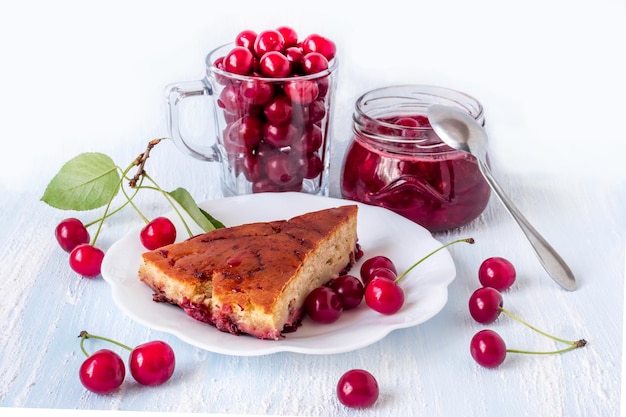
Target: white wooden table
(93, 81)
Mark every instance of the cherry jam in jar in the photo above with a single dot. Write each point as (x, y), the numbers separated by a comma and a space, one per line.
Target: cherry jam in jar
(395, 160)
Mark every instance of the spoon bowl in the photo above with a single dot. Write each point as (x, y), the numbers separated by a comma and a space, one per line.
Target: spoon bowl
(459, 130)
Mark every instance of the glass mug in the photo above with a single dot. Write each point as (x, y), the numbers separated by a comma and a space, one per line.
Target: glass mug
(270, 134)
(395, 159)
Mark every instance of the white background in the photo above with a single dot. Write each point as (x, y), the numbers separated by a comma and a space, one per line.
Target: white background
(79, 76)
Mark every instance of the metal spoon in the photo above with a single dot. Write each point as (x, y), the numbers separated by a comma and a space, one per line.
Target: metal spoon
(461, 131)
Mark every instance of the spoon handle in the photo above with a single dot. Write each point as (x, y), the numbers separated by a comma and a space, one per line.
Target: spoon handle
(554, 265)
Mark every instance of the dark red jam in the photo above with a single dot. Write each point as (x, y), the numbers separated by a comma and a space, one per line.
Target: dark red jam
(398, 162)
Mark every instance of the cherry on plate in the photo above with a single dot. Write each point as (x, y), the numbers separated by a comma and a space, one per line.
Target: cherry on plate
(159, 232)
(350, 290)
(373, 263)
(384, 296)
(323, 305)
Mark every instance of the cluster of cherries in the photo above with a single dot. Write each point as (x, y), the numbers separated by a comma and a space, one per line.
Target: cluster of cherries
(487, 347)
(274, 105)
(86, 259)
(103, 372)
(379, 286)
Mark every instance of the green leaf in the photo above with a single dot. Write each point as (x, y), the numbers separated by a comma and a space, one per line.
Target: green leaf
(201, 217)
(86, 182)
(216, 223)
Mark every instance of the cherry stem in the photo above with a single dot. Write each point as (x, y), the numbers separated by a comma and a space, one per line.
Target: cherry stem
(85, 335)
(402, 275)
(111, 213)
(575, 344)
(108, 207)
(169, 200)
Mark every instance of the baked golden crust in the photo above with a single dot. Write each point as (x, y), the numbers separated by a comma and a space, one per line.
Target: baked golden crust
(253, 278)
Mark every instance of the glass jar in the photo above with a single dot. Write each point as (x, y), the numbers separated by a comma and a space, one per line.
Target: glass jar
(395, 160)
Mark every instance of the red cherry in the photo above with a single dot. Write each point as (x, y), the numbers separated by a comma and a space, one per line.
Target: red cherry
(323, 305)
(497, 272)
(244, 133)
(278, 110)
(265, 185)
(71, 233)
(231, 100)
(384, 296)
(250, 166)
(302, 91)
(485, 305)
(310, 165)
(103, 372)
(281, 169)
(152, 363)
(86, 260)
(279, 135)
(256, 92)
(317, 111)
(488, 349)
(310, 141)
(268, 41)
(274, 64)
(239, 61)
(350, 290)
(373, 263)
(318, 43)
(314, 62)
(246, 39)
(294, 54)
(159, 232)
(290, 36)
(357, 388)
(384, 273)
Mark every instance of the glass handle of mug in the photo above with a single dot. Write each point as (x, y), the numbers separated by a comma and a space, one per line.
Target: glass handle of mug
(175, 94)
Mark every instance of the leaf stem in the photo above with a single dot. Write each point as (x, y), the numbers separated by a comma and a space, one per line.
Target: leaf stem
(85, 335)
(402, 275)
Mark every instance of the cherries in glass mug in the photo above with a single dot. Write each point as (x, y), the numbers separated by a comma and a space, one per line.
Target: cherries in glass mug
(395, 160)
(271, 101)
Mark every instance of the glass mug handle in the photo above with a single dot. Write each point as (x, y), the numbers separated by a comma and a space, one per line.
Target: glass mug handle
(175, 94)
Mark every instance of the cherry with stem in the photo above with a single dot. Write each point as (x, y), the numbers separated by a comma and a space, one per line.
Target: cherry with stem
(385, 295)
(151, 363)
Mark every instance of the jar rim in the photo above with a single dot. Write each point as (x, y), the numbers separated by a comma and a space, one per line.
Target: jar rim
(406, 97)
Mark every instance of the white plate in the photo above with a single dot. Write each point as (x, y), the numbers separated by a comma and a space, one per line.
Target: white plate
(380, 232)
